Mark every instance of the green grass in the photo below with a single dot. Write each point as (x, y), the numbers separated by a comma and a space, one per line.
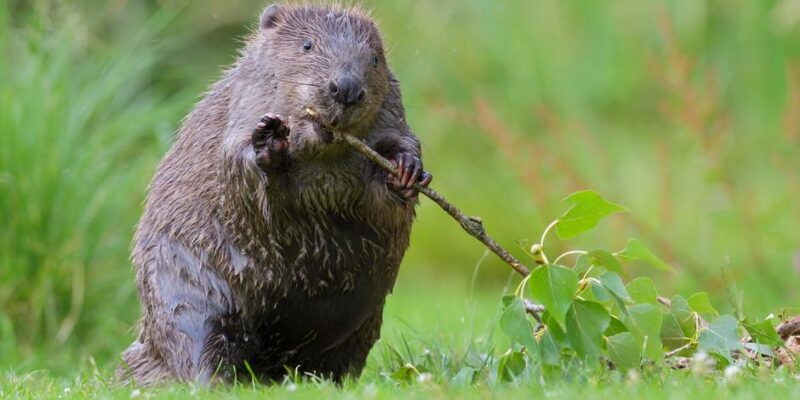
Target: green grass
(442, 335)
(685, 111)
(677, 387)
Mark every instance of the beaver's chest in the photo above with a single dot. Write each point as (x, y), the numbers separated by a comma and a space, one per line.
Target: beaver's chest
(338, 272)
(338, 245)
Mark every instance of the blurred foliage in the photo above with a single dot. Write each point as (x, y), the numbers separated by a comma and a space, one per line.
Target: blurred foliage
(686, 111)
(82, 129)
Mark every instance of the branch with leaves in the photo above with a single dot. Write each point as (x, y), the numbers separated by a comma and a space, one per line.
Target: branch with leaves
(588, 312)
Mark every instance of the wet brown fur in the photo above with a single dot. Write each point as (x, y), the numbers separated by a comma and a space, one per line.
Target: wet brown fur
(290, 269)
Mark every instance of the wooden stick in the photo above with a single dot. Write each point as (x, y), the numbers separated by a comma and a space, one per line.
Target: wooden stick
(472, 225)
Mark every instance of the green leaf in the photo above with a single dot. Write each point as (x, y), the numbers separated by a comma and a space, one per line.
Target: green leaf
(588, 208)
(643, 290)
(720, 337)
(508, 299)
(586, 322)
(405, 374)
(763, 333)
(511, 365)
(554, 286)
(556, 331)
(614, 284)
(672, 335)
(603, 258)
(515, 324)
(582, 264)
(610, 287)
(551, 349)
(615, 327)
(624, 351)
(636, 250)
(759, 348)
(465, 376)
(680, 308)
(644, 322)
(701, 304)
(599, 292)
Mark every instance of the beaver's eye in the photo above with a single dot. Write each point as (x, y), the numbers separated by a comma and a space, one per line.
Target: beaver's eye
(307, 45)
(374, 60)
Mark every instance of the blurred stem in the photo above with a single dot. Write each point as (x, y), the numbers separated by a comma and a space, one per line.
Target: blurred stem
(521, 287)
(677, 351)
(472, 225)
(569, 253)
(546, 231)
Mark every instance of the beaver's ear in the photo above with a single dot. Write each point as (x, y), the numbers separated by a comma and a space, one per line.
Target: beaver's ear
(271, 16)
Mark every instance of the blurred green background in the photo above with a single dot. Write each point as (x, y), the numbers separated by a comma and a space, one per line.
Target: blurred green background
(687, 112)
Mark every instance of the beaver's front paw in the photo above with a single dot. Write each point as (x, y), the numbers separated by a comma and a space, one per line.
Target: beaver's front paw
(270, 142)
(408, 170)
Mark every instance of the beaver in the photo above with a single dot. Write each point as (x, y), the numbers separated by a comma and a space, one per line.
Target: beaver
(266, 245)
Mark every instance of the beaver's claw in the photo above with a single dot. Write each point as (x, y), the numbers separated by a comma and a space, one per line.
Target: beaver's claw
(270, 142)
(408, 171)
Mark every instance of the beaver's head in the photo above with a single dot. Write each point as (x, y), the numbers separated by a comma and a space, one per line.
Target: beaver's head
(326, 60)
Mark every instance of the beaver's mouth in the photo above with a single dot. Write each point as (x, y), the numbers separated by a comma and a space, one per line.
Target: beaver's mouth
(319, 123)
(334, 119)
(312, 115)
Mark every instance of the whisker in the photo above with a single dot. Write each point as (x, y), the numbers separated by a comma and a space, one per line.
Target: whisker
(320, 77)
(297, 83)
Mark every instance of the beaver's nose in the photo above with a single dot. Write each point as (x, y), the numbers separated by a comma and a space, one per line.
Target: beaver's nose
(347, 91)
